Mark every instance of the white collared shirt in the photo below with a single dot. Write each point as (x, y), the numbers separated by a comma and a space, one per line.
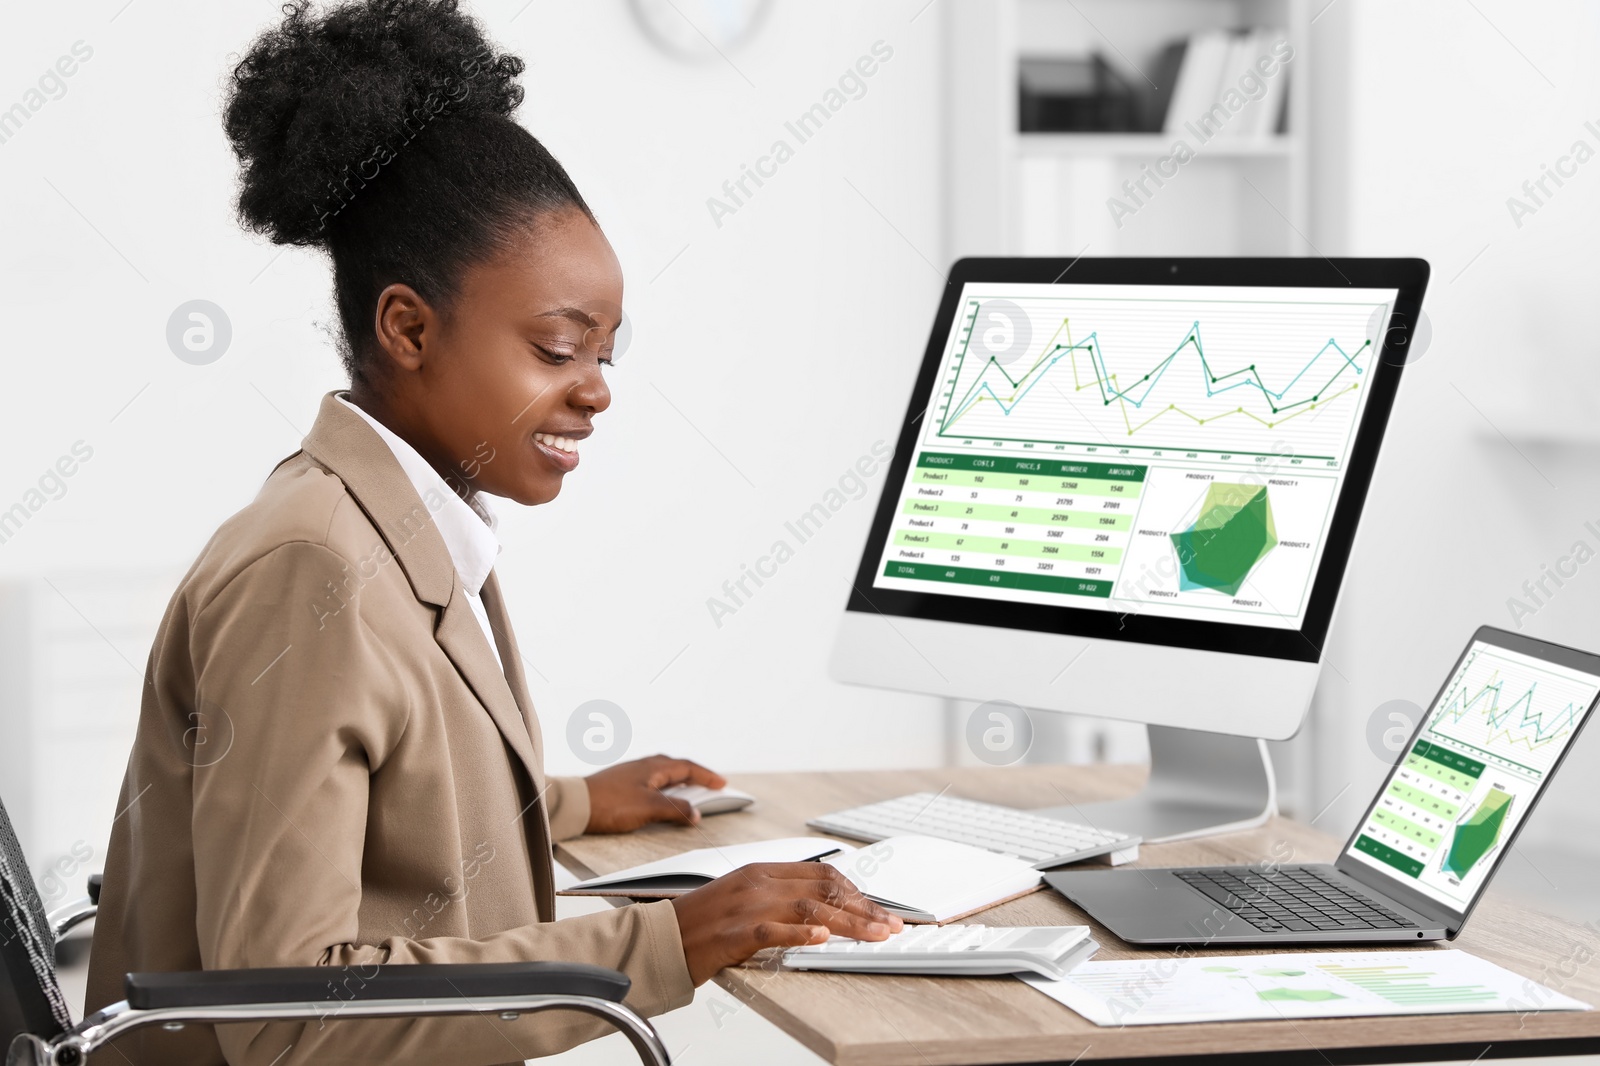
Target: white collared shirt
(467, 529)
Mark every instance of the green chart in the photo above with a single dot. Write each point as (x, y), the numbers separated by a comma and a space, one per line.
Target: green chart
(1234, 532)
(1479, 834)
(1399, 983)
(1297, 995)
(1280, 378)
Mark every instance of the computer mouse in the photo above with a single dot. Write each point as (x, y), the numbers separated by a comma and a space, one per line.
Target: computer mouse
(711, 800)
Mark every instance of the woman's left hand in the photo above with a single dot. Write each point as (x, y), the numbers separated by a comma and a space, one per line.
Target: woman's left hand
(628, 795)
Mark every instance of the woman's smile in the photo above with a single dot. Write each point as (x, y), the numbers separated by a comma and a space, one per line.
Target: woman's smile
(560, 447)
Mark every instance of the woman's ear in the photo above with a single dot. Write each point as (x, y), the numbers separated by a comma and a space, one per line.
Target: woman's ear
(402, 321)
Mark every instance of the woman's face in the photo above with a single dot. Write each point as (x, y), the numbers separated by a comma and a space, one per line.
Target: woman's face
(499, 389)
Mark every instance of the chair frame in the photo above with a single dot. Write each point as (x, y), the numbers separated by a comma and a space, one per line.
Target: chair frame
(306, 999)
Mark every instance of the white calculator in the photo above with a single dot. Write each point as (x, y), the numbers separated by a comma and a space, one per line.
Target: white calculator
(1048, 950)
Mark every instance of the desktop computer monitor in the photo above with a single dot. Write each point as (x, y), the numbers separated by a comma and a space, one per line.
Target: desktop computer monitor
(1128, 488)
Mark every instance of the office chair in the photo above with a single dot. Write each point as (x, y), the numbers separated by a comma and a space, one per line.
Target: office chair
(35, 1021)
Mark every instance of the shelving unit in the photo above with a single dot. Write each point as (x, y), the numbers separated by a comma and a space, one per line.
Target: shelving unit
(1013, 193)
(1138, 146)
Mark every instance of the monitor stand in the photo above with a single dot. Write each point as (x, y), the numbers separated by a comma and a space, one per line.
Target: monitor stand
(1200, 784)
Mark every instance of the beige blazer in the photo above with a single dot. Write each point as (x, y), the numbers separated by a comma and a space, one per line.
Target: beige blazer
(331, 770)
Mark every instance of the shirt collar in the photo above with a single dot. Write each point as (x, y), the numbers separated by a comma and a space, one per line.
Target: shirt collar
(468, 529)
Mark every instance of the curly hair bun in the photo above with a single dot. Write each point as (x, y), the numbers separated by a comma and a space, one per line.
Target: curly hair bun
(317, 100)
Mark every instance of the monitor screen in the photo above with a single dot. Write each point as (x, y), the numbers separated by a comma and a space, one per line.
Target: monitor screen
(1165, 451)
(1485, 751)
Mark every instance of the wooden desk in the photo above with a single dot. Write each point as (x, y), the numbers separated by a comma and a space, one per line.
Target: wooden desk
(925, 1021)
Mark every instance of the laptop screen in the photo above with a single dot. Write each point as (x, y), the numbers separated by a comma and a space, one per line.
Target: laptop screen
(1485, 751)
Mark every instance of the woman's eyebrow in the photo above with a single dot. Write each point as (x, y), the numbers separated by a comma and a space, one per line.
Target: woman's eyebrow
(577, 314)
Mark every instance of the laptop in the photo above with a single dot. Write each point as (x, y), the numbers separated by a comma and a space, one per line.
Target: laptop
(1422, 855)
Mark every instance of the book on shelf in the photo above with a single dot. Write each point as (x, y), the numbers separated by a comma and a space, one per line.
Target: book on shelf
(1228, 83)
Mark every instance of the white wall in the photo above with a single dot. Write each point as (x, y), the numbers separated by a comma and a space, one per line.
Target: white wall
(783, 339)
(786, 337)
(1431, 115)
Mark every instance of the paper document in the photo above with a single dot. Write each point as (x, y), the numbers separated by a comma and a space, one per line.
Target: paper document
(1335, 984)
(689, 870)
(919, 878)
(926, 879)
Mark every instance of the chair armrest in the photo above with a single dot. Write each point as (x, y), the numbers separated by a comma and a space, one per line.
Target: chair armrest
(211, 997)
(65, 918)
(218, 988)
(68, 916)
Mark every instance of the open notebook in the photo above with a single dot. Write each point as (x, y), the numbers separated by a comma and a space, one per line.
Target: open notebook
(922, 879)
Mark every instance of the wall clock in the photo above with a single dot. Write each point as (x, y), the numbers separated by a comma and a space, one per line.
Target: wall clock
(699, 29)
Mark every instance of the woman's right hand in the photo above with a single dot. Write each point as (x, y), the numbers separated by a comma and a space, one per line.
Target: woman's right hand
(773, 904)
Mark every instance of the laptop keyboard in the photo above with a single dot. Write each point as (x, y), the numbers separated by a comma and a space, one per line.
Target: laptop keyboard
(1292, 899)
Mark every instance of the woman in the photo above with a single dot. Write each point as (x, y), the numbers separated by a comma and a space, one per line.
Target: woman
(337, 763)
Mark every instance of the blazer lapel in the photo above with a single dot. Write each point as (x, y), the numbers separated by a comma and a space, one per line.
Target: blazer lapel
(500, 623)
(343, 442)
(511, 655)
(461, 637)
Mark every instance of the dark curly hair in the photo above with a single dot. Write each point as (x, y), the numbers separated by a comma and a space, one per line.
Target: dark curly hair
(381, 132)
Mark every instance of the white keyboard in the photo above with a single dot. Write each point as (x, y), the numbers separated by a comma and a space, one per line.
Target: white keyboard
(1034, 838)
(1051, 951)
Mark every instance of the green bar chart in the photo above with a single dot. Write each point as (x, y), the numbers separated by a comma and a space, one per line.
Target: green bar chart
(1407, 985)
